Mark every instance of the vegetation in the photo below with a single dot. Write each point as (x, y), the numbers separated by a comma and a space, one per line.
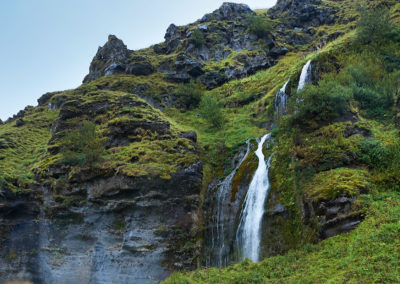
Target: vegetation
(188, 96)
(323, 102)
(339, 138)
(198, 38)
(211, 112)
(259, 25)
(83, 146)
(374, 25)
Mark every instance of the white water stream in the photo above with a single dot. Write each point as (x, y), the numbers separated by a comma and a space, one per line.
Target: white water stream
(305, 76)
(281, 99)
(249, 230)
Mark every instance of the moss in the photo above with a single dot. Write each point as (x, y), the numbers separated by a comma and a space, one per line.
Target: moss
(342, 181)
(26, 145)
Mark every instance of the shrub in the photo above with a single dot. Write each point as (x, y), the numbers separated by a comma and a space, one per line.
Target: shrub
(259, 25)
(372, 87)
(324, 102)
(374, 154)
(188, 96)
(374, 25)
(82, 146)
(211, 112)
(198, 38)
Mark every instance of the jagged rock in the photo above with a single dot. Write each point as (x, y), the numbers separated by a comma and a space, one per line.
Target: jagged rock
(110, 59)
(140, 68)
(213, 80)
(301, 13)
(172, 33)
(228, 11)
(171, 39)
(278, 51)
(188, 66)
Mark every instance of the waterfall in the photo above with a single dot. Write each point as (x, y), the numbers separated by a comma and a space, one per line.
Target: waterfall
(281, 99)
(249, 230)
(305, 76)
(220, 247)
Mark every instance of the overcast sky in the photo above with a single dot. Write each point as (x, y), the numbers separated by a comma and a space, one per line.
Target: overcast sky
(47, 45)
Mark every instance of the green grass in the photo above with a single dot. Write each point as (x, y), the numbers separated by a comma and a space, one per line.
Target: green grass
(27, 146)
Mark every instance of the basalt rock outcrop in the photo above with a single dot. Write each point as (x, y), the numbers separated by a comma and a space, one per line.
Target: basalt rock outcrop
(124, 222)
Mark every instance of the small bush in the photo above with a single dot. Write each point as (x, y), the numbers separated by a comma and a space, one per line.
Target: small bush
(82, 146)
(374, 26)
(259, 25)
(211, 112)
(188, 96)
(374, 154)
(372, 87)
(324, 102)
(198, 38)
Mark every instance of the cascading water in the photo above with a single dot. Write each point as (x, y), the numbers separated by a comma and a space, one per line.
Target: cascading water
(220, 248)
(249, 230)
(281, 99)
(305, 76)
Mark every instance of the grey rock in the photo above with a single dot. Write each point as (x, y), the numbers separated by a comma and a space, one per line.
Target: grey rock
(278, 51)
(110, 59)
(229, 11)
(140, 68)
(189, 135)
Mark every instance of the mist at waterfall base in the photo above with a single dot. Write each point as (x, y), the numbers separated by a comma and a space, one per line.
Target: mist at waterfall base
(247, 239)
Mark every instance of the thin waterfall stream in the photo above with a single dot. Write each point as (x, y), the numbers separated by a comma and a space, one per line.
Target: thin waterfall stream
(249, 229)
(305, 76)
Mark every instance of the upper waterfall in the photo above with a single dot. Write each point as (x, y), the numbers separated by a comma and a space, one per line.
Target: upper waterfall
(305, 76)
(281, 99)
(249, 230)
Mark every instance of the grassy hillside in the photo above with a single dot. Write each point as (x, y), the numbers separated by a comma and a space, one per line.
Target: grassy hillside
(342, 140)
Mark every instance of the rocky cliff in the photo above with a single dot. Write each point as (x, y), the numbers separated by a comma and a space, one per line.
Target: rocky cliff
(117, 181)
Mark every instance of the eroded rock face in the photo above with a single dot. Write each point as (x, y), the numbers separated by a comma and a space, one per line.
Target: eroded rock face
(228, 11)
(301, 13)
(124, 231)
(110, 59)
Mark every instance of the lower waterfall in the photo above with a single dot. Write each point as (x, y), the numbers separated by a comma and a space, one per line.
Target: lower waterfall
(220, 247)
(249, 229)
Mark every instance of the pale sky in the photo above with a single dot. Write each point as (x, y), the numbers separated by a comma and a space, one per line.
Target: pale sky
(47, 45)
